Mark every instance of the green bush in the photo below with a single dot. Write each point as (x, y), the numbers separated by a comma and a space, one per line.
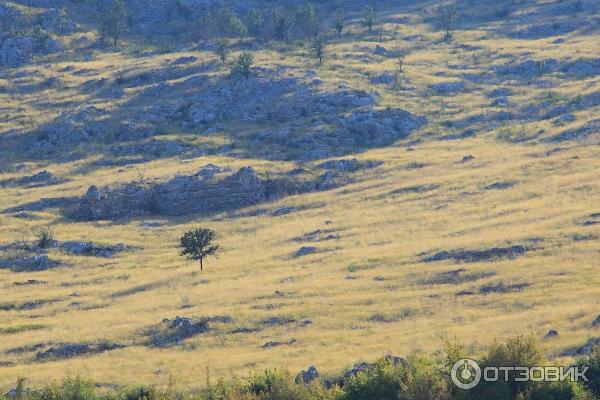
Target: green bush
(593, 373)
(416, 378)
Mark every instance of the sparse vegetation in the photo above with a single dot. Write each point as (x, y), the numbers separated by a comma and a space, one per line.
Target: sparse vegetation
(44, 236)
(414, 378)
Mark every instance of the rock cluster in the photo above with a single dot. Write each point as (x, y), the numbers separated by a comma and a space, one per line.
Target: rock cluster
(493, 253)
(179, 196)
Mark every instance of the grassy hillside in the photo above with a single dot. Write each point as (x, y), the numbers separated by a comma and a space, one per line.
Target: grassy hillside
(377, 282)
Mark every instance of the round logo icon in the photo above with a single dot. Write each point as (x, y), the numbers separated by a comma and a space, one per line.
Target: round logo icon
(466, 373)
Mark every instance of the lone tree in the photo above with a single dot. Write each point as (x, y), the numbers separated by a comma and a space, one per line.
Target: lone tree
(448, 15)
(369, 18)
(243, 65)
(222, 49)
(340, 21)
(319, 49)
(113, 21)
(197, 244)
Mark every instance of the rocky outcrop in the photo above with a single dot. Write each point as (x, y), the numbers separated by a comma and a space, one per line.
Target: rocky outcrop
(43, 178)
(171, 332)
(201, 193)
(33, 263)
(469, 256)
(72, 350)
(307, 376)
(179, 196)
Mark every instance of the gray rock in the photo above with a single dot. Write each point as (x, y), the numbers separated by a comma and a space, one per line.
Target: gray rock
(349, 165)
(380, 50)
(177, 330)
(307, 376)
(383, 79)
(551, 333)
(564, 119)
(596, 322)
(448, 87)
(305, 250)
(72, 350)
(29, 264)
(494, 253)
(586, 349)
(91, 249)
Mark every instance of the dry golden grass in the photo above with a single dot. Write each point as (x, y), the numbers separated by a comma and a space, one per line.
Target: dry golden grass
(379, 235)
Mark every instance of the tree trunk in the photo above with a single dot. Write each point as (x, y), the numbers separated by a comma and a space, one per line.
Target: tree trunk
(201, 266)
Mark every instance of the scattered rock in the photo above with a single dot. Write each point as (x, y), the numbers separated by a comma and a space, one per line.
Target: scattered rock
(470, 256)
(380, 50)
(277, 344)
(92, 249)
(456, 277)
(551, 333)
(499, 186)
(305, 250)
(349, 165)
(30, 282)
(564, 119)
(33, 263)
(383, 79)
(43, 178)
(414, 189)
(467, 158)
(72, 350)
(448, 87)
(586, 349)
(307, 376)
(174, 331)
(185, 60)
(596, 322)
(364, 366)
(318, 235)
(501, 287)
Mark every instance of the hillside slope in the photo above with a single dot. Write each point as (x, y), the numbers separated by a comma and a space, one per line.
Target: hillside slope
(466, 205)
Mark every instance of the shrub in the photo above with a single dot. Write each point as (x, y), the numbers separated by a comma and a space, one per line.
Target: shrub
(593, 373)
(44, 236)
(243, 65)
